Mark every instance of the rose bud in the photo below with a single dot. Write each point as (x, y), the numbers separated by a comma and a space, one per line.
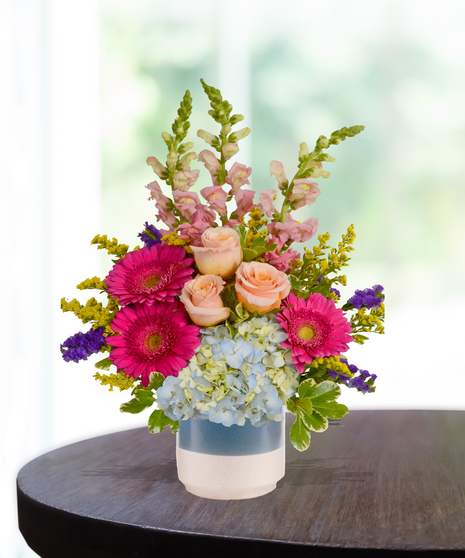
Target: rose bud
(221, 253)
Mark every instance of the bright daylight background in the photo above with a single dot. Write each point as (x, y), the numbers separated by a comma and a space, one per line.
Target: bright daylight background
(88, 87)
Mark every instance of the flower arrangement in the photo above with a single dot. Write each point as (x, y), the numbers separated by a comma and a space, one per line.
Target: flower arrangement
(217, 317)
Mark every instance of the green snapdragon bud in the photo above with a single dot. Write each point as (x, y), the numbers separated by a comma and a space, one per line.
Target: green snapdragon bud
(186, 159)
(303, 150)
(171, 159)
(206, 136)
(241, 134)
(225, 129)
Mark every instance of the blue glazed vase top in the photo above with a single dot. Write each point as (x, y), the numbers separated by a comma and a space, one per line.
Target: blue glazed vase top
(203, 436)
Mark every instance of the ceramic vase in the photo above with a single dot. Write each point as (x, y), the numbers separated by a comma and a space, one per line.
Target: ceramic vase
(230, 463)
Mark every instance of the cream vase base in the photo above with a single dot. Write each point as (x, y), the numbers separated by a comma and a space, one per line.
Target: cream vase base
(235, 477)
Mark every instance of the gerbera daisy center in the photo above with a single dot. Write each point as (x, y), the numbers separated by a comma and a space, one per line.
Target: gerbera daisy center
(152, 281)
(306, 333)
(154, 341)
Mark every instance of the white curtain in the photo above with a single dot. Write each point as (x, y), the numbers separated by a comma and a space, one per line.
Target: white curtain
(49, 149)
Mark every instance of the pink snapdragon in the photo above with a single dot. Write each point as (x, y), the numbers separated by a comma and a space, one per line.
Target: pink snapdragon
(162, 205)
(283, 261)
(244, 201)
(216, 197)
(304, 192)
(211, 163)
(293, 230)
(238, 175)
(186, 202)
(185, 179)
(202, 219)
(277, 170)
(266, 202)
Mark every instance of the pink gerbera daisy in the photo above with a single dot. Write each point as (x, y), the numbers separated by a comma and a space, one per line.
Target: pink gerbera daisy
(150, 274)
(153, 338)
(315, 328)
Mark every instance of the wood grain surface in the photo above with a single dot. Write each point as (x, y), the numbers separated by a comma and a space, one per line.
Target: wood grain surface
(379, 483)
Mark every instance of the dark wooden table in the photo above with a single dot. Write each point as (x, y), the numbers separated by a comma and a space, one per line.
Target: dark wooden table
(381, 483)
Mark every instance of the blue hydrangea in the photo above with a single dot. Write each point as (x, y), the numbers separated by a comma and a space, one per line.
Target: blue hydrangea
(172, 399)
(233, 379)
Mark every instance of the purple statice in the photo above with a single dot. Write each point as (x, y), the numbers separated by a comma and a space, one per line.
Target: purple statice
(81, 345)
(361, 380)
(151, 236)
(331, 290)
(368, 298)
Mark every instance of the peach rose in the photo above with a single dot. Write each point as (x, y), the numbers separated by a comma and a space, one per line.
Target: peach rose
(201, 297)
(260, 286)
(221, 253)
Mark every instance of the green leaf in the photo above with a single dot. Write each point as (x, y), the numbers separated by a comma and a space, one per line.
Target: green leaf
(249, 255)
(232, 333)
(299, 435)
(229, 296)
(295, 283)
(242, 232)
(156, 380)
(304, 408)
(271, 246)
(134, 406)
(326, 391)
(158, 421)
(174, 426)
(323, 398)
(259, 243)
(291, 406)
(145, 396)
(241, 312)
(331, 409)
(103, 364)
(306, 388)
(314, 420)
(300, 293)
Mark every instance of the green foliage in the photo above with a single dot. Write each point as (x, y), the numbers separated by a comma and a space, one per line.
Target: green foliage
(257, 247)
(242, 232)
(103, 364)
(238, 313)
(158, 421)
(144, 397)
(313, 404)
(299, 434)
